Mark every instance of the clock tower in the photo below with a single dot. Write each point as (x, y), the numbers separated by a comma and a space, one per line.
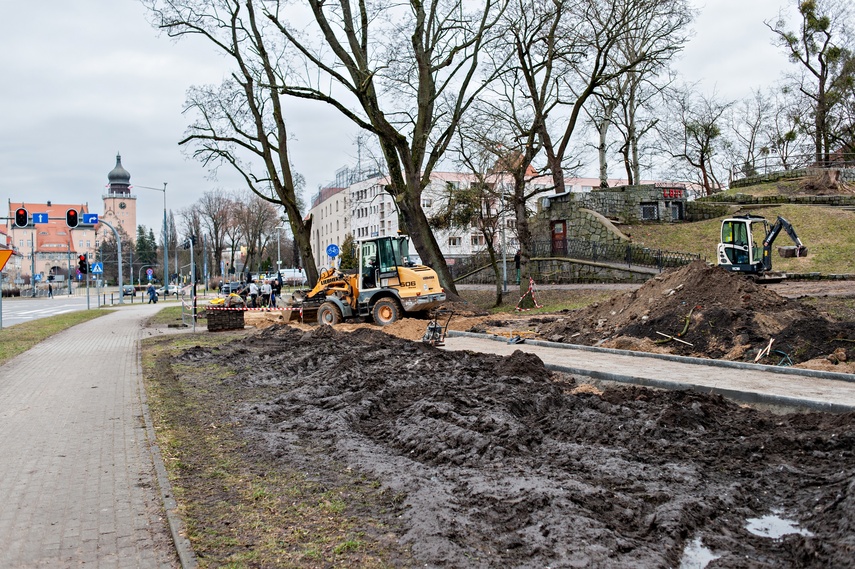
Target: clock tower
(120, 206)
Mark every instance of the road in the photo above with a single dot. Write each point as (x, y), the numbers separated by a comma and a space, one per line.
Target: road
(18, 310)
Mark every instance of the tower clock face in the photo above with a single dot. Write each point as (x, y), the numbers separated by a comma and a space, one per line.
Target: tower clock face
(122, 205)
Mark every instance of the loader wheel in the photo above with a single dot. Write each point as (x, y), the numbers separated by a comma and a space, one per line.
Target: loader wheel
(386, 311)
(329, 313)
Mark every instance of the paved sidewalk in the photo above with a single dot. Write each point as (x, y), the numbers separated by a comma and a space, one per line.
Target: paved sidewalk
(819, 391)
(77, 477)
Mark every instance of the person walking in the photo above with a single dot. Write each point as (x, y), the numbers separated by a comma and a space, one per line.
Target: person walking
(50, 290)
(517, 264)
(152, 294)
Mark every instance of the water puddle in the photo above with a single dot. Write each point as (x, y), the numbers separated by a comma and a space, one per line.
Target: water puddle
(696, 555)
(774, 526)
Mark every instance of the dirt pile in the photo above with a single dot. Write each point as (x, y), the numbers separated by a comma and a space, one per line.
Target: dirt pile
(712, 314)
(500, 463)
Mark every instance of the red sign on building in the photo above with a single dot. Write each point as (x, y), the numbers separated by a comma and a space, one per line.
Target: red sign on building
(674, 193)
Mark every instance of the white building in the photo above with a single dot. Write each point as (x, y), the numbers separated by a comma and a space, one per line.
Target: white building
(367, 210)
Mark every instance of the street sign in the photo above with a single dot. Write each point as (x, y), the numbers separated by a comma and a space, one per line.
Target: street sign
(5, 255)
(40, 218)
(38, 278)
(332, 250)
(149, 272)
(97, 268)
(89, 218)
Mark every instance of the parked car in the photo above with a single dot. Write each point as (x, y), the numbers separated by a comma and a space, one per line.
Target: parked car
(168, 289)
(231, 287)
(129, 290)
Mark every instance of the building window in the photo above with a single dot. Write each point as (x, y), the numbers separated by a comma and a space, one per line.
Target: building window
(427, 202)
(649, 211)
(477, 240)
(454, 241)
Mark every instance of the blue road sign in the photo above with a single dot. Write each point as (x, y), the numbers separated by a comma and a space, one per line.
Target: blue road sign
(332, 250)
(89, 218)
(97, 268)
(38, 278)
(40, 218)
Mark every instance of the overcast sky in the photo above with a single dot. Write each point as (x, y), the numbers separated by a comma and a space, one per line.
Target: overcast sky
(85, 79)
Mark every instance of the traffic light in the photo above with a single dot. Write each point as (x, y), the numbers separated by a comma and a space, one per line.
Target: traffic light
(82, 264)
(22, 217)
(71, 218)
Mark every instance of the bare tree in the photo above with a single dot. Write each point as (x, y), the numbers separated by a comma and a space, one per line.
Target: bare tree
(822, 47)
(746, 120)
(481, 206)
(592, 43)
(191, 218)
(658, 35)
(404, 72)
(257, 219)
(693, 137)
(242, 122)
(214, 213)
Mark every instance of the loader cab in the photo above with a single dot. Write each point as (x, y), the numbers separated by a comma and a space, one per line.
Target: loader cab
(379, 260)
(738, 249)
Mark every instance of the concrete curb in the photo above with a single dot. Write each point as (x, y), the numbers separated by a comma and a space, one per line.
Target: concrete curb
(680, 359)
(183, 549)
(739, 395)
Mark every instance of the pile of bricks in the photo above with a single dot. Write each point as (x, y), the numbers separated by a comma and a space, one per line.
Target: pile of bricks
(225, 319)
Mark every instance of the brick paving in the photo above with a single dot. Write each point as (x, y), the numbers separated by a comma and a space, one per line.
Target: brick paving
(77, 477)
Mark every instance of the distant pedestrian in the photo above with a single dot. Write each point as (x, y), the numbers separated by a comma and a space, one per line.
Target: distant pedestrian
(152, 294)
(276, 287)
(50, 290)
(253, 294)
(266, 292)
(517, 264)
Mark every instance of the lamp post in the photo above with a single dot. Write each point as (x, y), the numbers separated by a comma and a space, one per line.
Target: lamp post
(165, 237)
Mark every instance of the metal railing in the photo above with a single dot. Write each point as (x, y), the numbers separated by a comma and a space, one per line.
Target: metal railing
(613, 253)
(627, 255)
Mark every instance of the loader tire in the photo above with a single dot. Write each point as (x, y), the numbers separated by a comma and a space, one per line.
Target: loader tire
(329, 313)
(386, 311)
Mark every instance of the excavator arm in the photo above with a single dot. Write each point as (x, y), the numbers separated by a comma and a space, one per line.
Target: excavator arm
(769, 240)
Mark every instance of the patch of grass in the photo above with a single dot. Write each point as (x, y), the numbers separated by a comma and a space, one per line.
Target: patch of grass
(166, 316)
(552, 300)
(241, 506)
(17, 339)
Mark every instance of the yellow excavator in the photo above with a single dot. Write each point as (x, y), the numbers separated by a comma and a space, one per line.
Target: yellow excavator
(385, 286)
(738, 250)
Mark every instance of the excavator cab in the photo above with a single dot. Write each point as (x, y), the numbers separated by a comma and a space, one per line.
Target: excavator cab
(738, 250)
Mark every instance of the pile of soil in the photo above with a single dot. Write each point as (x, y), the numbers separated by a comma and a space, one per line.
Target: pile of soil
(499, 462)
(712, 314)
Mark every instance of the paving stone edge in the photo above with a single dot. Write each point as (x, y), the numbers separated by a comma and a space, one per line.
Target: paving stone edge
(183, 549)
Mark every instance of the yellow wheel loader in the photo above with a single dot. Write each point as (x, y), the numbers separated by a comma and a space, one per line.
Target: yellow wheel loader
(385, 286)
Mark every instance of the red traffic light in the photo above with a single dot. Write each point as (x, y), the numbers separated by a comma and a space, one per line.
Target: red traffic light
(71, 218)
(82, 264)
(22, 217)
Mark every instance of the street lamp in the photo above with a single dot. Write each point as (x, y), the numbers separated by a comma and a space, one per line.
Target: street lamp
(165, 238)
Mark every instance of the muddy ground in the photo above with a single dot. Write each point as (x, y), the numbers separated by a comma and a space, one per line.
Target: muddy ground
(697, 310)
(496, 462)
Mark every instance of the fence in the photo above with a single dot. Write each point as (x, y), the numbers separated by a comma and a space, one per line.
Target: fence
(625, 255)
(613, 253)
(772, 167)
